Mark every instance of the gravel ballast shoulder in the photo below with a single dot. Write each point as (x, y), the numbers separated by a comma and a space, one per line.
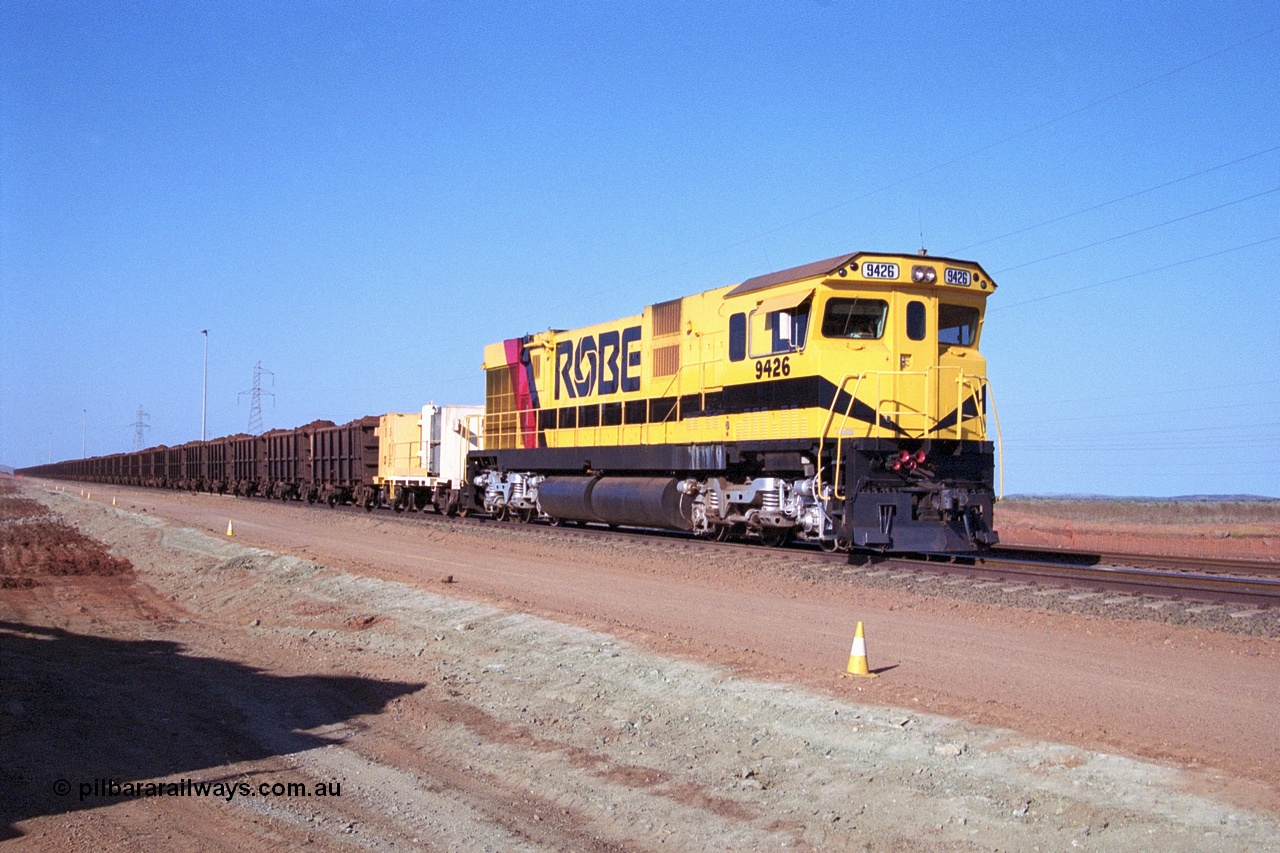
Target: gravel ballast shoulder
(531, 734)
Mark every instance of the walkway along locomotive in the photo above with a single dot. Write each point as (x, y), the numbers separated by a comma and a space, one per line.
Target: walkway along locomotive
(842, 402)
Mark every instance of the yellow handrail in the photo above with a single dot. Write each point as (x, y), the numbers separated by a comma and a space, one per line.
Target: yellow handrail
(971, 383)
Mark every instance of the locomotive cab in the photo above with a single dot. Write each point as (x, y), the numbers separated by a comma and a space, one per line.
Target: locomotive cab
(912, 468)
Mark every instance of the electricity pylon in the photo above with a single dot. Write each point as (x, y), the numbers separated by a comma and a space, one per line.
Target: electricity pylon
(140, 427)
(255, 398)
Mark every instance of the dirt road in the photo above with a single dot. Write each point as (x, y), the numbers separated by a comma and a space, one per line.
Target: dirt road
(567, 693)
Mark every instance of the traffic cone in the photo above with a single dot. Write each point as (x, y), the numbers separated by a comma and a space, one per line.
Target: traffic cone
(231, 531)
(858, 656)
(113, 501)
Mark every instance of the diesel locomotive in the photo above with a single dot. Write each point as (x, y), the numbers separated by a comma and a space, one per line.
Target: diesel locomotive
(844, 402)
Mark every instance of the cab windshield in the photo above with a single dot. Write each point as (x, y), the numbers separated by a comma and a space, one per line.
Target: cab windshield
(957, 325)
(857, 319)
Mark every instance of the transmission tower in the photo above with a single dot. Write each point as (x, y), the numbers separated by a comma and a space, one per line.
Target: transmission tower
(140, 427)
(255, 398)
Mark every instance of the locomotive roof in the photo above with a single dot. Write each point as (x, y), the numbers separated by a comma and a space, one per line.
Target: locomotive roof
(808, 270)
(821, 268)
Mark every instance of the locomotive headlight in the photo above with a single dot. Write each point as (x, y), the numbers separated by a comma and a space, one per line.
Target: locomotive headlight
(924, 275)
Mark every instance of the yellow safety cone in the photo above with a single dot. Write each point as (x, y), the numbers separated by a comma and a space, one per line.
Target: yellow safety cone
(113, 500)
(89, 495)
(231, 531)
(858, 656)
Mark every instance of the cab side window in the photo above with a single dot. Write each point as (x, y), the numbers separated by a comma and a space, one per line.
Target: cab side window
(915, 321)
(737, 337)
(787, 329)
(759, 334)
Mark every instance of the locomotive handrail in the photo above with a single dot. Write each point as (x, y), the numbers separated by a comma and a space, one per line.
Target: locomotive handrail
(973, 382)
(995, 414)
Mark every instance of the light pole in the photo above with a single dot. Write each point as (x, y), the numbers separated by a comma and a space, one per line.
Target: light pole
(84, 434)
(204, 394)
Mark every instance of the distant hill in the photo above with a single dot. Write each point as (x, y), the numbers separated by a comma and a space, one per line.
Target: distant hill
(1142, 499)
(5, 469)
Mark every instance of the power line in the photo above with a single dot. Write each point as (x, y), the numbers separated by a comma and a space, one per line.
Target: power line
(1153, 413)
(1179, 391)
(1218, 428)
(1135, 274)
(962, 157)
(1056, 219)
(1140, 230)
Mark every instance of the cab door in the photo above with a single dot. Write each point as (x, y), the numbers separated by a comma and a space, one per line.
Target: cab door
(916, 362)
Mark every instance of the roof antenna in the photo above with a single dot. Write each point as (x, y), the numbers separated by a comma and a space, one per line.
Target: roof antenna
(920, 216)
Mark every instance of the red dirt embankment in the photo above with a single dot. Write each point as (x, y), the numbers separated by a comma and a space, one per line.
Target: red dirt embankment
(33, 545)
(1208, 528)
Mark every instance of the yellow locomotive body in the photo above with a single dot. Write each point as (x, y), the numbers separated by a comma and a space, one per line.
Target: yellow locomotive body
(843, 401)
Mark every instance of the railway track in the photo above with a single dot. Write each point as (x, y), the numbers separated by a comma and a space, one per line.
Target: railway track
(1250, 582)
(1162, 562)
(1210, 580)
(1253, 583)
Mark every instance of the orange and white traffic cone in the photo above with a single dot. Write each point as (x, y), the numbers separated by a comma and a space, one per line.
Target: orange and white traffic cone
(231, 531)
(858, 656)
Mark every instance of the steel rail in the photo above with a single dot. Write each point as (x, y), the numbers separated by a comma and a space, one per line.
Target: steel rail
(1240, 567)
(1256, 591)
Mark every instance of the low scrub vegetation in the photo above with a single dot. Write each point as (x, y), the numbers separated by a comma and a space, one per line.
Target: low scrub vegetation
(1149, 510)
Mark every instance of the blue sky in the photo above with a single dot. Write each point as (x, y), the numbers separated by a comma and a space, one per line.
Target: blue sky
(362, 196)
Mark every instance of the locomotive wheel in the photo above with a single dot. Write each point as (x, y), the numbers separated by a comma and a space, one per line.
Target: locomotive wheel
(775, 537)
(502, 513)
(724, 532)
(333, 500)
(827, 545)
(557, 522)
(528, 515)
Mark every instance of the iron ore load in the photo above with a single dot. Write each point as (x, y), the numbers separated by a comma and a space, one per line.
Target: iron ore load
(407, 461)
(842, 402)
